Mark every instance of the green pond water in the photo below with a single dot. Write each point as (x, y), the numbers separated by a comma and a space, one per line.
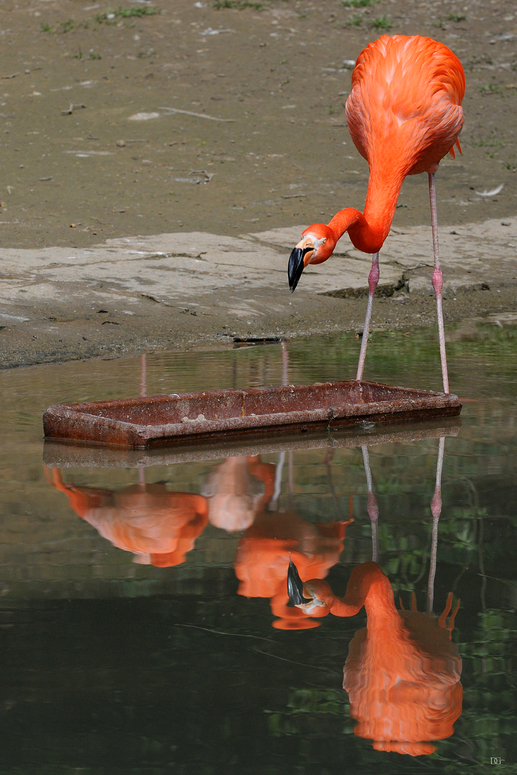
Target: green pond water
(144, 622)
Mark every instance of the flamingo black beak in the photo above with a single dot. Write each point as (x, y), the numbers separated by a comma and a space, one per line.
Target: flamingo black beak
(297, 264)
(295, 586)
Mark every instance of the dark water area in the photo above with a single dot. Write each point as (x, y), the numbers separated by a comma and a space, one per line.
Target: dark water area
(143, 607)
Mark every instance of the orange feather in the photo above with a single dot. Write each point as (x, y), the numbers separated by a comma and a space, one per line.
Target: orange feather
(404, 115)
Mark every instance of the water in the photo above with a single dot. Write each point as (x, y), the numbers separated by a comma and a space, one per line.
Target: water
(143, 615)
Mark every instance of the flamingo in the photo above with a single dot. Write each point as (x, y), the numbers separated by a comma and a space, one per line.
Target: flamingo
(404, 115)
(402, 673)
(260, 559)
(234, 492)
(158, 526)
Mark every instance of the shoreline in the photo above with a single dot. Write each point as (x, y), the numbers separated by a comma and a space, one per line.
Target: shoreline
(142, 294)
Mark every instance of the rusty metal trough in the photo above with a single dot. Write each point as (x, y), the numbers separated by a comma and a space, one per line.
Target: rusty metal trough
(221, 414)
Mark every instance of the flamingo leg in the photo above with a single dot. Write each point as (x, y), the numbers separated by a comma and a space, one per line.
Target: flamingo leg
(273, 505)
(372, 506)
(373, 279)
(143, 392)
(436, 510)
(285, 363)
(290, 477)
(438, 282)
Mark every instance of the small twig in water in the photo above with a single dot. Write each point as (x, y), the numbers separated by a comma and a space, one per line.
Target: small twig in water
(220, 632)
(293, 662)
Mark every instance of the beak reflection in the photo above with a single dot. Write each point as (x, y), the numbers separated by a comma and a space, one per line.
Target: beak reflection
(295, 585)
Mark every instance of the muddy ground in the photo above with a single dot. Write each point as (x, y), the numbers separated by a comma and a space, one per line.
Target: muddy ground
(226, 118)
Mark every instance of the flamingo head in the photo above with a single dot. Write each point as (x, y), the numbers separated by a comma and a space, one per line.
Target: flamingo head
(315, 246)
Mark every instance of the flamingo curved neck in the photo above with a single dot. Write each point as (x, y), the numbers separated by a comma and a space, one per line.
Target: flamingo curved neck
(367, 586)
(368, 230)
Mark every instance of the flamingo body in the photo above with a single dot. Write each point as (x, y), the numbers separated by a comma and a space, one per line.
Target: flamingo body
(158, 526)
(402, 673)
(404, 110)
(237, 490)
(404, 115)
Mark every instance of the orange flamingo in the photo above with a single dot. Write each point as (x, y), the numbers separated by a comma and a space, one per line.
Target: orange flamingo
(237, 490)
(402, 673)
(404, 115)
(234, 504)
(260, 559)
(158, 526)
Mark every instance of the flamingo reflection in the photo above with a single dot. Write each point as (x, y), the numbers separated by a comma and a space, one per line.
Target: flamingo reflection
(260, 560)
(239, 490)
(158, 526)
(402, 672)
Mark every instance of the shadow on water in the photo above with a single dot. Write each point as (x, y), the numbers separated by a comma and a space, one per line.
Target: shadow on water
(145, 622)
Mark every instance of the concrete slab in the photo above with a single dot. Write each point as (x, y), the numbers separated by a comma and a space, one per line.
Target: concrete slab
(160, 283)
(173, 266)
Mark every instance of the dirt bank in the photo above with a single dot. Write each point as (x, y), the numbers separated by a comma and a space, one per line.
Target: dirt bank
(201, 117)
